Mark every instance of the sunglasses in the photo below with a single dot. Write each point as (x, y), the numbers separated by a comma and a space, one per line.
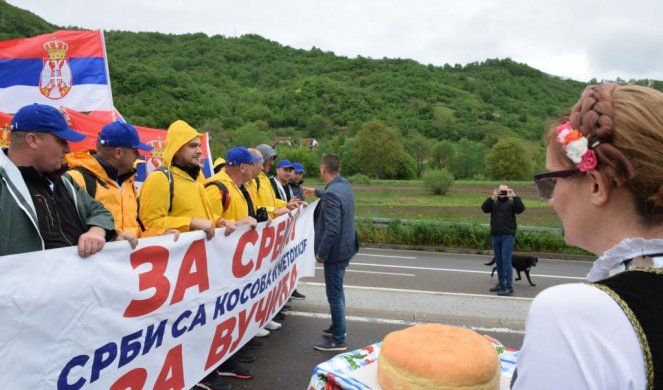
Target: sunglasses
(545, 182)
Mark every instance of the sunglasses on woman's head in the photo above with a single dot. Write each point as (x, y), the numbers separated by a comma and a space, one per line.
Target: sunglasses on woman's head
(545, 182)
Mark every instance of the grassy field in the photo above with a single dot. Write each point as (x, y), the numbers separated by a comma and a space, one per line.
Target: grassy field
(462, 203)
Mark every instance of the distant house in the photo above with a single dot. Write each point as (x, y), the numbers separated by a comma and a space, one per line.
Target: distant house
(308, 143)
(281, 140)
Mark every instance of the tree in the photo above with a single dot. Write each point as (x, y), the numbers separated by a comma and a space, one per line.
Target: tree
(468, 160)
(305, 156)
(318, 126)
(418, 147)
(406, 169)
(218, 137)
(249, 137)
(378, 148)
(442, 153)
(508, 159)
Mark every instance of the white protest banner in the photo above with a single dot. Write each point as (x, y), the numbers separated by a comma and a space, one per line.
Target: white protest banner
(161, 316)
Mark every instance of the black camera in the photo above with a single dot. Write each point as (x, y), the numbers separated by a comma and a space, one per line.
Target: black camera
(262, 215)
(503, 192)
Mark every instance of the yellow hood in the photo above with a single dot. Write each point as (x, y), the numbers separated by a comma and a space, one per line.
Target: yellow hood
(179, 134)
(85, 159)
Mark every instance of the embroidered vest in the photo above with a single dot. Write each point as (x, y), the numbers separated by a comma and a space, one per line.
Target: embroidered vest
(638, 292)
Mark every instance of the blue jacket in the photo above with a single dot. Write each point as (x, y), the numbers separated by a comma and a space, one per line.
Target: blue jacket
(335, 235)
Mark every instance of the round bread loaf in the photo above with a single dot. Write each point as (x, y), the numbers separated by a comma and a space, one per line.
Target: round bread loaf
(435, 356)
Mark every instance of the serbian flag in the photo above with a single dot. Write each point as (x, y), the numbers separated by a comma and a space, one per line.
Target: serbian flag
(91, 125)
(64, 68)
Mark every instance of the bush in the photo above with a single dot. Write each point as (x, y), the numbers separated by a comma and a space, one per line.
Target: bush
(359, 179)
(305, 156)
(438, 180)
(459, 235)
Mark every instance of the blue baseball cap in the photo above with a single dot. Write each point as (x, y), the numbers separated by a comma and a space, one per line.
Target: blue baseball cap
(40, 118)
(299, 167)
(240, 155)
(284, 164)
(121, 135)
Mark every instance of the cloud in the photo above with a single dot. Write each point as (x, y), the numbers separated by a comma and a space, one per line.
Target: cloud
(580, 39)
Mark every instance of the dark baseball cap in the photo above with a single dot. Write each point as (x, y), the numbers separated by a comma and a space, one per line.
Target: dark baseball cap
(40, 118)
(121, 135)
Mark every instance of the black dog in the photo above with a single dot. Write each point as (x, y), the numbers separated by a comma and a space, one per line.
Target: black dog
(520, 264)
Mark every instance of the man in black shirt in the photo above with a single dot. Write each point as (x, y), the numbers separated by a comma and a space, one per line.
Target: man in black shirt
(40, 209)
(503, 205)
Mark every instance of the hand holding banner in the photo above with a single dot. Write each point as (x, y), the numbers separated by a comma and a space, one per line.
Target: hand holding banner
(160, 316)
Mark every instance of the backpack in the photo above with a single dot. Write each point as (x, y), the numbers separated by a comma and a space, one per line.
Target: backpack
(171, 183)
(90, 181)
(225, 195)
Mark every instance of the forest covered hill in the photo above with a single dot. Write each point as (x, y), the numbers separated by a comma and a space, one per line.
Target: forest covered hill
(249, 89)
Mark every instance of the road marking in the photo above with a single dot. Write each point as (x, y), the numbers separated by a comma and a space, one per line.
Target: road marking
(391, 257)
(474, 255)
(399, 322)
(404, 290)
(462, 270)
(373, 272)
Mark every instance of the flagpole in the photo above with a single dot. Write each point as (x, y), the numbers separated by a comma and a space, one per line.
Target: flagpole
(110, 91)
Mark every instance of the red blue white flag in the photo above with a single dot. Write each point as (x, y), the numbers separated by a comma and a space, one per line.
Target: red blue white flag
(63, 68)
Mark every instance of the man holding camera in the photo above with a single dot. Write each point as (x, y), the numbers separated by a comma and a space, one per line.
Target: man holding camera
(503, 205)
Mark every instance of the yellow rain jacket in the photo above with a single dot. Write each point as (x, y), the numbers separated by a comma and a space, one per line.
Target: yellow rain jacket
(238, 207)
(265, 195)
(121, 201)
(189, 200)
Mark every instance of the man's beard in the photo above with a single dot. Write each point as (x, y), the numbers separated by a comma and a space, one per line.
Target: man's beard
(191, 168)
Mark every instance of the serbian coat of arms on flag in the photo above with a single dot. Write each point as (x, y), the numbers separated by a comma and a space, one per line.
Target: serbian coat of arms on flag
(64, 68)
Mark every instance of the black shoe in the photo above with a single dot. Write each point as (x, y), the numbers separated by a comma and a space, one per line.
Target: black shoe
(286, 308)
(331, 346)
(237, 372)
(254, 343)
(297, 295)
(497, 288)
(244, 357)
(279, 316)
(213, 382)
(505, 292)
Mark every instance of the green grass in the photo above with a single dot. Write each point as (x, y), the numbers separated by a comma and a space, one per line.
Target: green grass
(409, 200)
(462, 203)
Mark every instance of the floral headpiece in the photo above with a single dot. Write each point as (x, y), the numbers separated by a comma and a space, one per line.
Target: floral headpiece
(576, 146)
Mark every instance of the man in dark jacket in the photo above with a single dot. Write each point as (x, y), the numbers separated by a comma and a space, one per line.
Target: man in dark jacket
(40, 208)
(335, 243)
(297, 181)
(503, 206)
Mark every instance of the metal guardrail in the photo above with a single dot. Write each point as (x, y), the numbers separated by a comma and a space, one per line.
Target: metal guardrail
(383, 223)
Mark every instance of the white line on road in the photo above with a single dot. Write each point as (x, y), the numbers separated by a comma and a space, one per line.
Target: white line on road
(473, 255)
(374, 272)
(461, 270)
(391, 257)
(404, 290)
(398, 322)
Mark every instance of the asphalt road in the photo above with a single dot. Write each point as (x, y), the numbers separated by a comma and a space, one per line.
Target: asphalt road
(387, 290)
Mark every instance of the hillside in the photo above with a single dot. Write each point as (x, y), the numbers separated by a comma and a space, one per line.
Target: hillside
(234, 86)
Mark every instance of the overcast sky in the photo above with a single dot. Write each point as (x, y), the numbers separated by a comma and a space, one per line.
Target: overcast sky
(578, 39)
